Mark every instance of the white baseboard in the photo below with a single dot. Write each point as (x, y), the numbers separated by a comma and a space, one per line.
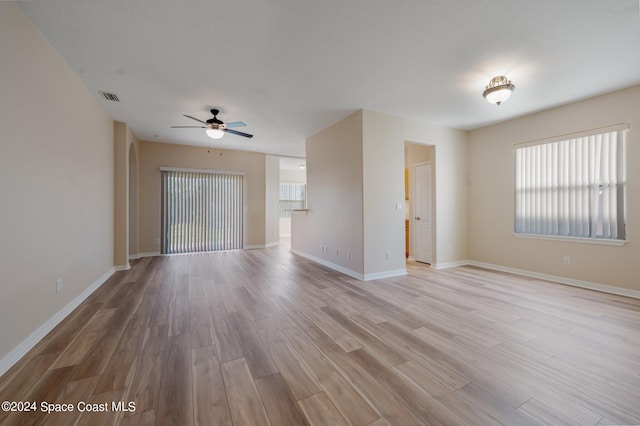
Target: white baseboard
(349, 272)
(604, 288)
(125, 267)
(148, 254)
(259, 246)
(335, 267)
(134, 256)
(445, 265)
(27, 344)
(385, 274)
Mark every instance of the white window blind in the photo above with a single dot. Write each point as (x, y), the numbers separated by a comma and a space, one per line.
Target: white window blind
(573, 187)
(201, 211)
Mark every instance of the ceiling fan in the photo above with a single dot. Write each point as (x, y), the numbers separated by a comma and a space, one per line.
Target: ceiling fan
(215, 127)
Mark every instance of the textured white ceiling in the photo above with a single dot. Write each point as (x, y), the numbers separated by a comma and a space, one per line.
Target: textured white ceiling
(289, 68)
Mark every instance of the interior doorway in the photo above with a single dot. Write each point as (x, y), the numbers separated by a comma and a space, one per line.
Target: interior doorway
(133, 203)
(293, 193)
(419, 202)
(422, 212)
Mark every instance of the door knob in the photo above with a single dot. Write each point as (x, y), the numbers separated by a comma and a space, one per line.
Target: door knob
(417, 217)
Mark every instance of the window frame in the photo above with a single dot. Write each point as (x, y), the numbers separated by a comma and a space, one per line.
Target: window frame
(622, 128)
(209, 229)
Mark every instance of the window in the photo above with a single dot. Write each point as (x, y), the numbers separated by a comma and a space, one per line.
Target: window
(572, 186)
(293, 196)
(201, 211)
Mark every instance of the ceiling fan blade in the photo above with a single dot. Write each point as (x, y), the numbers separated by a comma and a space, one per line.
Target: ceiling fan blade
(189, 127)
(235, 132)
(193, 118)
(235, 124)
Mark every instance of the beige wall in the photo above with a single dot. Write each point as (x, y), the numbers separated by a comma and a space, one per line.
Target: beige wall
(121, 201)
(492, 194)
(155, 155)
(124, 206)
(272, 199)
(415, 153)
(355, 179)
(56, 181)
(383, 181)
(385, 136)
(334, 197)
(134, 147)
(293, 176)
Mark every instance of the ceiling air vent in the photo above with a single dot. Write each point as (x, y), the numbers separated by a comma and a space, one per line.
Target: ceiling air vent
(110, 96)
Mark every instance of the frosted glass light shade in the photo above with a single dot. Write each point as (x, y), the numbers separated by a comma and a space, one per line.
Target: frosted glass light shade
(498, 90)
(215, 133)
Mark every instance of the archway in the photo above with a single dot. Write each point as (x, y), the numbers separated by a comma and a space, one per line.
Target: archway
(133, 203)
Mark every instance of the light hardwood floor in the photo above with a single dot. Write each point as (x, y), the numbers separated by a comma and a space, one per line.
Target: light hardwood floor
(266, 337)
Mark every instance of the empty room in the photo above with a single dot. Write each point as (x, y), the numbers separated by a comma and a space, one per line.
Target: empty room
(319, 213)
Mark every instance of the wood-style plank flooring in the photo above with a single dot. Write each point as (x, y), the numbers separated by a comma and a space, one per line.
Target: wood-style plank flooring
(265, 337)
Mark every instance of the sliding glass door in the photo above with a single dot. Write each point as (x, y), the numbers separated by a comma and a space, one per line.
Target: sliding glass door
(201, 211)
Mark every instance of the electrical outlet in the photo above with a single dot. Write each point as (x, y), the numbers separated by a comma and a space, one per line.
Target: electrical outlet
(59, 285)
(157, 241)
(337, 254)
(566, 261)
(388, 254)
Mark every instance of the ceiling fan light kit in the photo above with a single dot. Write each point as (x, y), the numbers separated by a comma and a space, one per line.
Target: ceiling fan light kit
(215, 128)
(214, 133)
(498, 90)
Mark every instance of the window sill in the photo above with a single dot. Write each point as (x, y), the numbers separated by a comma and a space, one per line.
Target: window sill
(598, 241)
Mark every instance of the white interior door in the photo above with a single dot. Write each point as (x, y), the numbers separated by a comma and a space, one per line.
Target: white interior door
(422, 212)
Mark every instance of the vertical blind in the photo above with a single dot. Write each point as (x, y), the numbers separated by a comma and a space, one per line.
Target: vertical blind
(201, 211)
(573, 187)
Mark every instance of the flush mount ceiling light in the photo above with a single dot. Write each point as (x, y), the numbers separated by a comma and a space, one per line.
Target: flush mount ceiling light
(498, 90)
